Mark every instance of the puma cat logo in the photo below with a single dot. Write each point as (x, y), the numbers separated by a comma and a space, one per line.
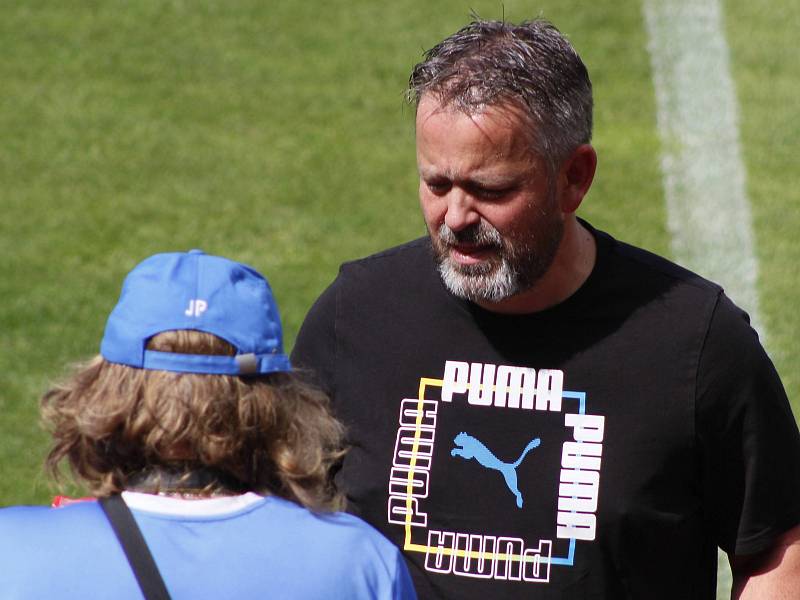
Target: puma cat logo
(469, 447)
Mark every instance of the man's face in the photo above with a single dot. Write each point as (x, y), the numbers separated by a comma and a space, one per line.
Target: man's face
(491, 212)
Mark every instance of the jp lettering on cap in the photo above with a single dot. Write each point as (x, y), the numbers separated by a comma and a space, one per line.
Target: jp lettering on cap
(194, 290)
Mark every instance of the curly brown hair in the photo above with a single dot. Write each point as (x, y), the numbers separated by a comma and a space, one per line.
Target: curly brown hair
(271, 433)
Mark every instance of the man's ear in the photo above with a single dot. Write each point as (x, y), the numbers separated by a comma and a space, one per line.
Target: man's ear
(575, 177)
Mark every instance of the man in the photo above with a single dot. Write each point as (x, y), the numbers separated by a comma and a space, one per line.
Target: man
(538, 410)
(193, 418)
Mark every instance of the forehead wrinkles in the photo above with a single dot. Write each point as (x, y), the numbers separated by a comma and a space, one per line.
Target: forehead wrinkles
(488, 136)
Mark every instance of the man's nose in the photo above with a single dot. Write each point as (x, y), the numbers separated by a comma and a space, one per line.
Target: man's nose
(461, 210)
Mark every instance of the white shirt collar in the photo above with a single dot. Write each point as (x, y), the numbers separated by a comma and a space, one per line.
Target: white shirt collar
(205, 507)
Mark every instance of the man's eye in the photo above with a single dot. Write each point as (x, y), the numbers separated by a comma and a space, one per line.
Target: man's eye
(438, 187)
(491, 193)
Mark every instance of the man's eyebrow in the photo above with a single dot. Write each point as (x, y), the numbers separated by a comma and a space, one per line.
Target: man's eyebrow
(479, 179)
(427, 171)
(495, 180)
(489, 180)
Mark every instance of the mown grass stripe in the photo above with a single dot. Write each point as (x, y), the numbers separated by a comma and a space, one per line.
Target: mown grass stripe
(704, 176)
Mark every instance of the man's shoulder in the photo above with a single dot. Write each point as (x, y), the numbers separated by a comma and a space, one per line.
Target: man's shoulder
(644, 266)
(409, 264)
(415, 250)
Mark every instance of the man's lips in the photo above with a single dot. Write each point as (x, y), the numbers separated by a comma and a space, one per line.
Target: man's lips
(470, 254)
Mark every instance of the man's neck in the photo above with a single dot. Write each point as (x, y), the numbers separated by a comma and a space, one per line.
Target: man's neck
(571, 267)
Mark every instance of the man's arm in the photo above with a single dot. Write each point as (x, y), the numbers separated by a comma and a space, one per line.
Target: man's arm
(771, 575)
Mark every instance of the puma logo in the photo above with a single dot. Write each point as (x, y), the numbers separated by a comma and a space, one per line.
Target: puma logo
(469, 447)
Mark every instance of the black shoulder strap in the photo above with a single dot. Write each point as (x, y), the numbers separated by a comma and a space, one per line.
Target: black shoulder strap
(135, 548)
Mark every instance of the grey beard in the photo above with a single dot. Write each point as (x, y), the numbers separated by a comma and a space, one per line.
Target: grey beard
(491, 282)
(493, 285)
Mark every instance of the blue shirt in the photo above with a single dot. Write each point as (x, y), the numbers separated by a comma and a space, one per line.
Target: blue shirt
(239, 547)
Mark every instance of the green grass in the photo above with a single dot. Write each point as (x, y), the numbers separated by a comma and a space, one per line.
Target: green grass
(276, 133)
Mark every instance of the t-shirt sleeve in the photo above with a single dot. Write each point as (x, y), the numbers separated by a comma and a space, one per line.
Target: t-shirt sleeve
(314, 352)
(747, 438)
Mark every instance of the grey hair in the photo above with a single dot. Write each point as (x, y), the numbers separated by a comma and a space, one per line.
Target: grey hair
(530, 68)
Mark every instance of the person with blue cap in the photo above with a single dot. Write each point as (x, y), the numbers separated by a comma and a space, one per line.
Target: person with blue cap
(209, 458)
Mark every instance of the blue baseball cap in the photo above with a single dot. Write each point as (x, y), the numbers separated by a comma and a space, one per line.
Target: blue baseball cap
(194, 290)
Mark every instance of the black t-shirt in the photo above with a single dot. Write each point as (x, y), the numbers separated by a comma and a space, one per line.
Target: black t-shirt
(602, 448)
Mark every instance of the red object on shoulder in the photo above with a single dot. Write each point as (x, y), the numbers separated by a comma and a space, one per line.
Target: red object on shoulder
(60, 501)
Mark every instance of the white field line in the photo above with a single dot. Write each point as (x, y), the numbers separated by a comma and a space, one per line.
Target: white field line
(704, 177)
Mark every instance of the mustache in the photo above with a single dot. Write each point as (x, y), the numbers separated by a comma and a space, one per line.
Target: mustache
(480, 234)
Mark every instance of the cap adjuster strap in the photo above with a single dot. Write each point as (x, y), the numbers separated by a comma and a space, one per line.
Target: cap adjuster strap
(242, 364)
(248, 363)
